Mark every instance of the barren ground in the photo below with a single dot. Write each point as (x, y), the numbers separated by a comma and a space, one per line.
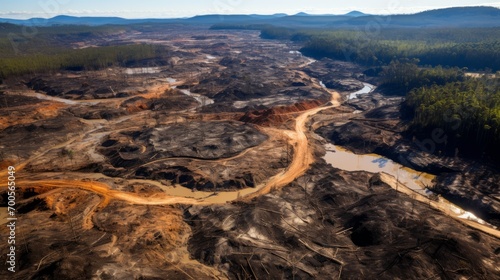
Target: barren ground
(207, 166)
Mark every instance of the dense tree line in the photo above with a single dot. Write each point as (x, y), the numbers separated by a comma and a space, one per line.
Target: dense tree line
(401, 76)
(80, 59)
(437, 35)
(242, 26)
(466, 114)
(480, 55)
(18, 40)
(461, 113)
(38, 49)
(475, 48)
(457, 112)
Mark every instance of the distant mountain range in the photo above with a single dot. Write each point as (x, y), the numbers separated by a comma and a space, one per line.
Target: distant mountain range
(449, 17)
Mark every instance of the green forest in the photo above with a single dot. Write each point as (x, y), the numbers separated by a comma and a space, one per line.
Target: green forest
(474, 48)
(464, 109)
(402, 76)
(468, 112)
(49, 48)
(445, 101)
(428, 66)
(17, 40)
(81, 59)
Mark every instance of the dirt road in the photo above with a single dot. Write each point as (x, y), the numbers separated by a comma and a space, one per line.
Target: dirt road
(104, 190)
(302, 159)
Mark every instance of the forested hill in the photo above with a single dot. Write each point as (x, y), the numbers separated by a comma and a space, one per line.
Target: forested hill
(450, 17)
(474, 48)
(52, 48)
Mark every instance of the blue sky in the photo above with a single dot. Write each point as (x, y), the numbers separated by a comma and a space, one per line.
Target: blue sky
(176, 8)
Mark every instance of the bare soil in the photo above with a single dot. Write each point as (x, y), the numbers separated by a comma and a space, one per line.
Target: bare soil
(125, 176)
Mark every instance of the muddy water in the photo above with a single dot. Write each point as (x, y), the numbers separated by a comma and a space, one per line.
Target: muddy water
(219, 197)
(367, 89)
(203, 100)
(343, 159)
(406, 178)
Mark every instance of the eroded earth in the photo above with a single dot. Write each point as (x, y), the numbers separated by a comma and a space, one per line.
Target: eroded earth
(209, 165)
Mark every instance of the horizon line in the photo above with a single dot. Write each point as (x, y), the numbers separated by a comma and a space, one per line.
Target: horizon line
(106, 15)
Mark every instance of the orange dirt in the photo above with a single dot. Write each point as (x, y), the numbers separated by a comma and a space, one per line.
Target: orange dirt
(25, 114)
(278, 115)
(4, 164)
(303, 155)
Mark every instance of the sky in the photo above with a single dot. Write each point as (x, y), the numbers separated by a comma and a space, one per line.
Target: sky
(23, 9)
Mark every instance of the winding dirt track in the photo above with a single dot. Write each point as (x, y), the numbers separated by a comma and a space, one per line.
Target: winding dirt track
(104, 190)
(302, 159)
